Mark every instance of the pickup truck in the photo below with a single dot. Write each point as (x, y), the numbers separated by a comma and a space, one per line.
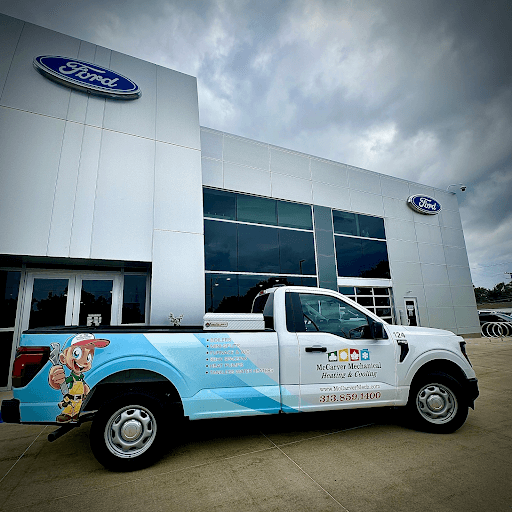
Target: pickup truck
(301, 349)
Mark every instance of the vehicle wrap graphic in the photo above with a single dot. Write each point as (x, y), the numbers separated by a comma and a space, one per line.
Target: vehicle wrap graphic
(216, 374)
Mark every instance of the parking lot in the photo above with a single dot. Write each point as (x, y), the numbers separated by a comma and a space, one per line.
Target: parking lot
(359, 460)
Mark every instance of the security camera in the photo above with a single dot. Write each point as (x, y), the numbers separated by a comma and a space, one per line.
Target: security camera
(463, 188)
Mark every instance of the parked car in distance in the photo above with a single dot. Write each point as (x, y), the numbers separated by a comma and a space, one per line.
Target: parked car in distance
(493, 316)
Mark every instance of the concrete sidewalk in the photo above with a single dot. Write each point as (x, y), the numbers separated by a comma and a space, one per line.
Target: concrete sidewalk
(359, 460)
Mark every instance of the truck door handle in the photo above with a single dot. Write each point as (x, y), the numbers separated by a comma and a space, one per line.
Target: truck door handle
(316, 348)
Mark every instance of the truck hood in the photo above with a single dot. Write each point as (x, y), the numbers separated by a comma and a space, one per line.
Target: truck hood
(426, 331)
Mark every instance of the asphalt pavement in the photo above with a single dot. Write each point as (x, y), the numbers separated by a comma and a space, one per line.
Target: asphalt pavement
(358, 461)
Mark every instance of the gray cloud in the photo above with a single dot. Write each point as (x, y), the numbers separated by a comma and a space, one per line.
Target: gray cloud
(415, 89)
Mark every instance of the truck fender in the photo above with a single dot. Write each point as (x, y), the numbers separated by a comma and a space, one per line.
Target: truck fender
(149, 364)
(438, 358)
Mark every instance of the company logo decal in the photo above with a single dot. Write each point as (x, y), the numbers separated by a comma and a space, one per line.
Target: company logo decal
(348, 354)
(86, 77)
(424, 204)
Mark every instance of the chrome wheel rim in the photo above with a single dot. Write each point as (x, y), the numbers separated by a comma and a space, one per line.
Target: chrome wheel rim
(436, 403)
(130, 431)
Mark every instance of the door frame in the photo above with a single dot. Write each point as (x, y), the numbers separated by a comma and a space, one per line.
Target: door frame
(74, 292)
(416, 310)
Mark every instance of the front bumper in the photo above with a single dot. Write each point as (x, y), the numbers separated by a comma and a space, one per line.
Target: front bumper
(11, 411)
(472, 391)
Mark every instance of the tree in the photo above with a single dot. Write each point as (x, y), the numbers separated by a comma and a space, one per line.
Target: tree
(500, 293)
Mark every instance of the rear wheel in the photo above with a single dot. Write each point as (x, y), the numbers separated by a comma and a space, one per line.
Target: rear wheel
(126, 433)
(437, 404)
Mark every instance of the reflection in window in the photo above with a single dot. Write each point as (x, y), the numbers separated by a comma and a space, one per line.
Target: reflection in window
(9, 288)
(329, 314)
(296, 252)
(356, 224)
(96, 302)
(247, 248)
(357, 257)
(256, 209)
(294, 215)
(218, 204)
(134, 299)
(377, 300)
(258, 249)
(220, 246)
(235, 293)
(49, 298)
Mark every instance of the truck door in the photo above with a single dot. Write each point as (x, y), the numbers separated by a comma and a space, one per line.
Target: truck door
(341, 364)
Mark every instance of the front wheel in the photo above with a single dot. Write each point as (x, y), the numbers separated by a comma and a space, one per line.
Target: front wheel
(126, 433)
(437, 404)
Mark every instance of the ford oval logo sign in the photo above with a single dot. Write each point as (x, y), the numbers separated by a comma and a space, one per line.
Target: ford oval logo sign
(424, 204)
(86, 77)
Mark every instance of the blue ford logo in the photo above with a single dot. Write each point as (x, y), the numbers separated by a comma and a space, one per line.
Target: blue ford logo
(424, 204)
(86, 77)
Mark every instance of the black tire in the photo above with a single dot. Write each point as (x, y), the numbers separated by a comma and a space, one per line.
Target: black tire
(127, 433)
(437, 404)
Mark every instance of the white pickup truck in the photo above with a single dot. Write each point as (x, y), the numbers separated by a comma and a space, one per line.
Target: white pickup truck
(301, 349)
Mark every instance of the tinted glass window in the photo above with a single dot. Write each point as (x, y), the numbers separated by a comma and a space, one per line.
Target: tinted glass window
(218, 204)
(221, 292)
(375, 261)
(256, 209)
(345, 223)
(296, 252)
(371, 227)
(134, 299)
(9, 286)
(329, 314)
(348, 255)
(346, 290)
(257, 249)
(220, 245)
(293, 215)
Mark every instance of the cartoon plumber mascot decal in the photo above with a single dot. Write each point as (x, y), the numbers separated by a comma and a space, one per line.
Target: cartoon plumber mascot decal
(78, 358)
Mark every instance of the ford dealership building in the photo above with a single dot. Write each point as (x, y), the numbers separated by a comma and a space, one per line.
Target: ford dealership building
(117, 207)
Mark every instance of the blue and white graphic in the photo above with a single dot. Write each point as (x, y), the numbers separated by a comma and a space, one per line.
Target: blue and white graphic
(424, 204)
(86, 77)
(365, 354)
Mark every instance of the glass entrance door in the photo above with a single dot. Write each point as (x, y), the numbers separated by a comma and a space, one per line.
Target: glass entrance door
(88, 299)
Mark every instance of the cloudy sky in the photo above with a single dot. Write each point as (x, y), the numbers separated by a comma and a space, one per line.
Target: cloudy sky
(418, 89)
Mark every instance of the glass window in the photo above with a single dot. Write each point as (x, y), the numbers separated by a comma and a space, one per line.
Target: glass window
(345, 223)
(6, 346)
(235, 293)
(371, 227)
(348, 256)
(9, 287)
(296, 252)
(134, 299)
(218, 204)
(96, 302)
(375, 261)
(329, 314)
(258, 249)
(293, 215)
(256, 209)
(220, 242)
(49, 299)
(221, 293)
(346, 290)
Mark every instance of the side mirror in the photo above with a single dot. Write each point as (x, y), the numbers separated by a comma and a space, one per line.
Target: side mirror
(377, 330)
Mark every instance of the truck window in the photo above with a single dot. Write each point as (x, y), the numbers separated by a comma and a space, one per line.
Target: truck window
(265, 304)
(329, 314)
